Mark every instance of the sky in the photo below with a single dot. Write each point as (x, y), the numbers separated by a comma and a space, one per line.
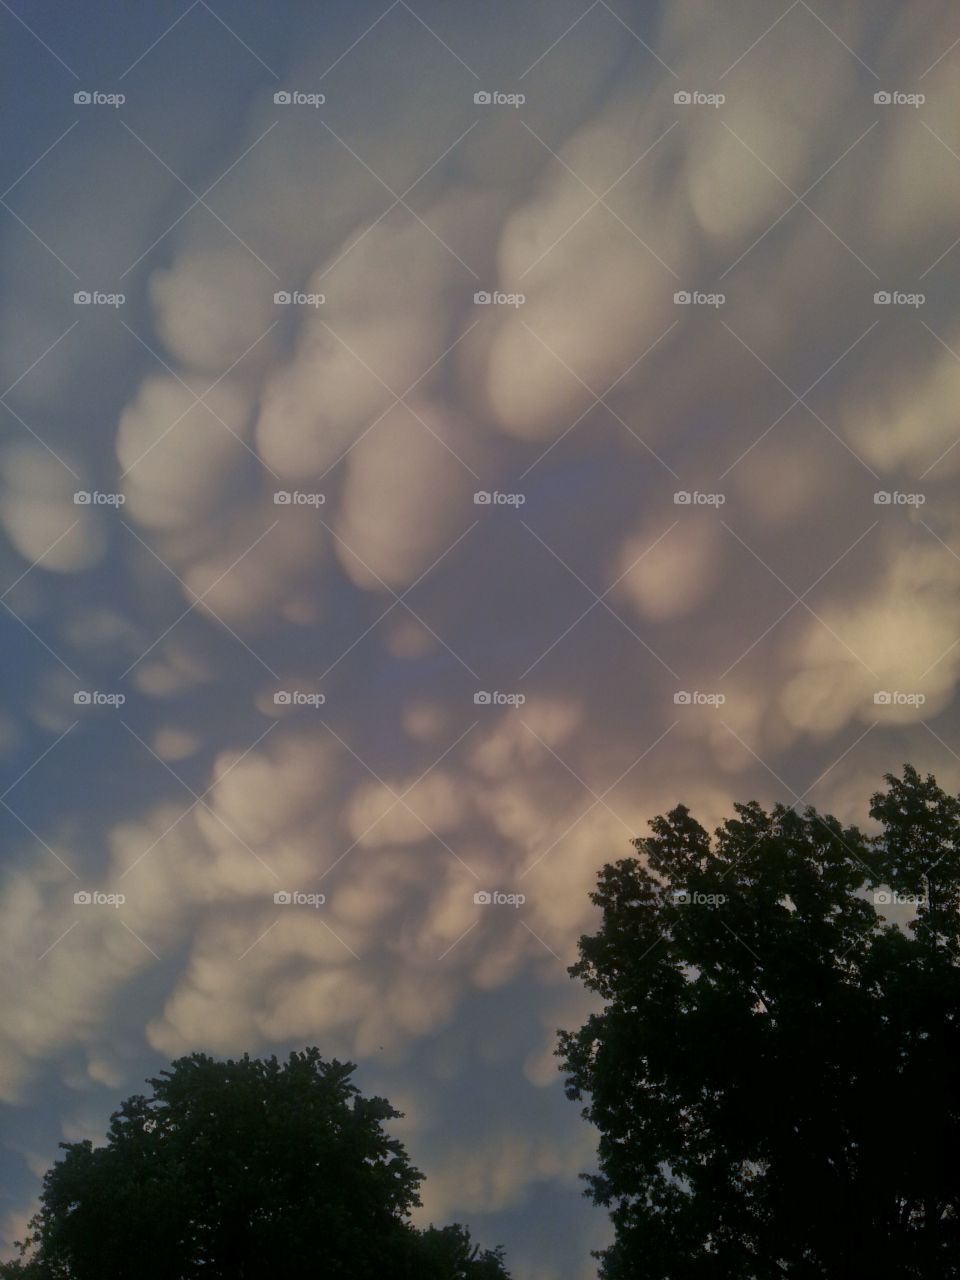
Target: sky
(437, 438)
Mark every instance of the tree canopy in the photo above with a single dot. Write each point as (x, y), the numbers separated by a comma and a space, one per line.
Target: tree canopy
(247, 1170)
(775, 1072)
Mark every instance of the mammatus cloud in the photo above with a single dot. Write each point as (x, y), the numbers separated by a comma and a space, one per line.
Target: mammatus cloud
(719, 557)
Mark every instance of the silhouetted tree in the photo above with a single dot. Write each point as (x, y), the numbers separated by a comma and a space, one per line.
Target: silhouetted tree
(775, 1073)
(248, 1170)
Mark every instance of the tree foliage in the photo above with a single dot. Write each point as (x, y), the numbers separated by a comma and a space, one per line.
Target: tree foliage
(775, 1073)
(247, 1170)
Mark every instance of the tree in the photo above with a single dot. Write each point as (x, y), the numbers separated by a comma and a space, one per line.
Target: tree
(244, 1170)
(775, 1072)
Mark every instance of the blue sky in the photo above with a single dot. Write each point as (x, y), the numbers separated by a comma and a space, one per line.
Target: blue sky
(674, 286)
